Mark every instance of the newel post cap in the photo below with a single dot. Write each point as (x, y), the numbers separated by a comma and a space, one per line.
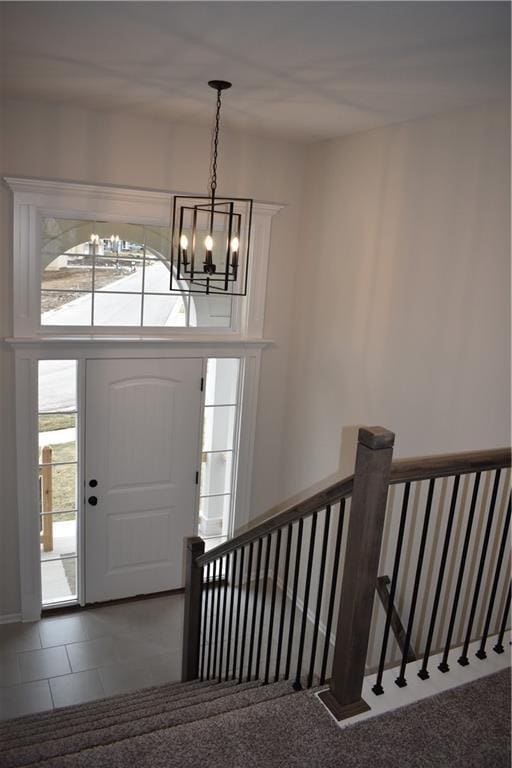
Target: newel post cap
(376, 438)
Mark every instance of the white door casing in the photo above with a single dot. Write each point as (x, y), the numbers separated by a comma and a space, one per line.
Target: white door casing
(142, 430)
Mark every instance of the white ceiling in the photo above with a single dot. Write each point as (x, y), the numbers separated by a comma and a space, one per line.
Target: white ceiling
(302, 70)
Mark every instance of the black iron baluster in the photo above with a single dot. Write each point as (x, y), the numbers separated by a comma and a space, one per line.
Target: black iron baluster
(296, 683)
(498, 648)
(321, 576)
(273, 603)
(254, 608)
(377, 688)
(334, 582)
(205, 598)
(481, 654)
(293, 607)
(238, 607)
(284, 598)
(224, 604)
(211, 650)
(231, 609)
(423, 674)
(246, 611)
(443, 666)
(400, 680)
(263, 600)
(463, 658)
(217, 621)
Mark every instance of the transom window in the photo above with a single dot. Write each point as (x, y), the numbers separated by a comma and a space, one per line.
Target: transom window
(115, 274)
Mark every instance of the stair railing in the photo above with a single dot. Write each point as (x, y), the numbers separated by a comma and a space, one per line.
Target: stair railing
(262, 606)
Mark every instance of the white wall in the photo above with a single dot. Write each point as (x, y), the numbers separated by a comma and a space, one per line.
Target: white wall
(402, 303)
(51, 141)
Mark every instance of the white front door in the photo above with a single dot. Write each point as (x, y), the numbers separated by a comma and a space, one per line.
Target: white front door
(142, 430)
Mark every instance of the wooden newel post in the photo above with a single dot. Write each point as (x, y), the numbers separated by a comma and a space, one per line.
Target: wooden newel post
(194, 547)
(367, 512)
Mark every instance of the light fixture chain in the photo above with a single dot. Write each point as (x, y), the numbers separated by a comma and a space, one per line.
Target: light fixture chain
(213, 177)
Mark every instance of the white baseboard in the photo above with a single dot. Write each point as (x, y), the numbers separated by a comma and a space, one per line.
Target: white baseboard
(10, 618)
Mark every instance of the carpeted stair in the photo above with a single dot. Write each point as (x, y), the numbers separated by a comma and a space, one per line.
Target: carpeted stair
(209, 725)
(52, 735)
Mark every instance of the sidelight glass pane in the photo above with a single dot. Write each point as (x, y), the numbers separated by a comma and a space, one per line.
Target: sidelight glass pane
(57, 437)
(222, 381)
(214, 515)
(57, 392)
(58, 535)
(219, 427)
(216, 473)
(58, 580)
(58, 488)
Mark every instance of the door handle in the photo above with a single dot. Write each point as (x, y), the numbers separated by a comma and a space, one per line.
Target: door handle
(92, 500)
(93, 483)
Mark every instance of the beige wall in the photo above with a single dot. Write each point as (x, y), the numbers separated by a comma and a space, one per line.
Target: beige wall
(402, 304)
(50, 141)
(389, 287)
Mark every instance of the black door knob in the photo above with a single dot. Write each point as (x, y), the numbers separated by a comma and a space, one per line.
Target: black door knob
(93, 483)
(92, 500)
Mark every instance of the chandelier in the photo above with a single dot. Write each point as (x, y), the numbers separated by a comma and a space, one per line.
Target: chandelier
(210, 236)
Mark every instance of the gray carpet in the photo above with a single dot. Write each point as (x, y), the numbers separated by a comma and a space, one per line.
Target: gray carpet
(248, 726)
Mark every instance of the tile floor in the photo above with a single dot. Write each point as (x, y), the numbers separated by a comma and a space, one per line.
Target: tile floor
(69, 659)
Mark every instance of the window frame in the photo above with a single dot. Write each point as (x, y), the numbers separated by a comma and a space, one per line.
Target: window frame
(36, 198)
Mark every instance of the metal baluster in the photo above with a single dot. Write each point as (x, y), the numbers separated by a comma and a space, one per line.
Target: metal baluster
(296, 683)
(213, 590)
(224, 604)
(204, 603)
(334, 581)
(463, 658)
(273, 603)
(238, 607)
(400, 680)
(263, 600)
(294, 599)
(443, 666)
(283, 603)
(377, 688)
(246, 611)
(498, 648)
(217, 621)
(481, 654)
(423, 673)
(327, 520)
(254, 608)
(231, 607)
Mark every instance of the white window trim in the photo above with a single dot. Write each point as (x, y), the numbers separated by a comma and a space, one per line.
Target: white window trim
(33, 198)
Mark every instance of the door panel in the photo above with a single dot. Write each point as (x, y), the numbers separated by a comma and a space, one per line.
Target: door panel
(142, 446)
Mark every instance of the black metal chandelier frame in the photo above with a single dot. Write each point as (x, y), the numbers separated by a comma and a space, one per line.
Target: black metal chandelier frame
(194, 269)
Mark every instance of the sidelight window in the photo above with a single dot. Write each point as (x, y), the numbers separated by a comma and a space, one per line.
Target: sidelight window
(219, 449)
(58, 474)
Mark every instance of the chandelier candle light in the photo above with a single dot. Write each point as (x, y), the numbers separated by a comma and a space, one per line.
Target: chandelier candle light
(210, 236)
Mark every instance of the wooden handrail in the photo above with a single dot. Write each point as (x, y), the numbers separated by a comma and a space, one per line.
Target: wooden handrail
(330, 495)
(445, 465)
(402, 470)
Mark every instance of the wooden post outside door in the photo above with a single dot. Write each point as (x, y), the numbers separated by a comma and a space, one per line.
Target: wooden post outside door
(367, 512)
(47, 499)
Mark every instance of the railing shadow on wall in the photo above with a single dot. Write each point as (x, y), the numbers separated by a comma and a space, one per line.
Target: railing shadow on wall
(293, 598)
